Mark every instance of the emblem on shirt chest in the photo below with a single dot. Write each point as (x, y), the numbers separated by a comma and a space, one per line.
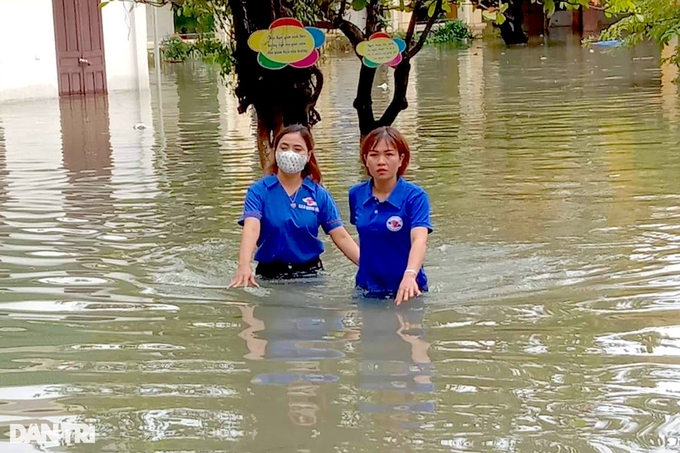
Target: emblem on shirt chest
(309, 204)
(395, 223)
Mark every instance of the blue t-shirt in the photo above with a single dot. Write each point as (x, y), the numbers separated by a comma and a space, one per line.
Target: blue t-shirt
(287, 234)
(385, 234)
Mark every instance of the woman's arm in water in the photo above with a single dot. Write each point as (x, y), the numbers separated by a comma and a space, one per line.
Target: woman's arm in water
(244, 274)
(345, 243)
(408, 289)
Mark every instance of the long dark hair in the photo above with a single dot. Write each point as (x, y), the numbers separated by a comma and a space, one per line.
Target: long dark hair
(311, 170)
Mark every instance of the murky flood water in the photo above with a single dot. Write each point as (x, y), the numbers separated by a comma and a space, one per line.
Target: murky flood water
(553, 321)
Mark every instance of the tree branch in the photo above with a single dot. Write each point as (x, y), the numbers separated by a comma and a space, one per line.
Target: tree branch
(158, 3)
(412, 23)
(437, 10)
(337, 21)
(371, 17)
(399, 102)
(595, 7)
(353, 33)
(341, 13)
(363, 103)
(318, 75)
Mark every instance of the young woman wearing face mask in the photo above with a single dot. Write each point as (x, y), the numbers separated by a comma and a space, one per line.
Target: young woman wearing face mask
(283, 212)
(392, 217)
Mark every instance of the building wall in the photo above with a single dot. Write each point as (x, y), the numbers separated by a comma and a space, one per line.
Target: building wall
(28, 62)
(594, 21)
(165, 22)
(125, 41)
(399, 21)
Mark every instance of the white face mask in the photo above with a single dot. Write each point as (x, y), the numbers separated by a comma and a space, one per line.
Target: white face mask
(290, 161)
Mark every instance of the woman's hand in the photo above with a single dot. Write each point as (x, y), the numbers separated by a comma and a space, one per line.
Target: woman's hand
(345, 243)
(408, 288)
(244, 277)
(244, 273)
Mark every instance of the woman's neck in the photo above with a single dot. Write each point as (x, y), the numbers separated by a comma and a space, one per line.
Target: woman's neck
(383, 189)
(289, 181)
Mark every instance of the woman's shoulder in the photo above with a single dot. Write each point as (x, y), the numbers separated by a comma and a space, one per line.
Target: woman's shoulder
(356, 188)
(264, 182)
(315, 186)
(318, 191)
(412, 189)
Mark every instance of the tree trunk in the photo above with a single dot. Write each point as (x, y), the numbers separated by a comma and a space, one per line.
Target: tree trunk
(399, 102)
(280, 97)
(511, 30)
(269, 123)
(363, 103)
(364, 100)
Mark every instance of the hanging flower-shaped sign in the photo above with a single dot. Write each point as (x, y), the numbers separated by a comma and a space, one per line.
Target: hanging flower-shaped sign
(381, 48)
(287, 42)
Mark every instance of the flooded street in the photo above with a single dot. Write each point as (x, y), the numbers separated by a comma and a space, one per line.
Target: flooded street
(553, 318)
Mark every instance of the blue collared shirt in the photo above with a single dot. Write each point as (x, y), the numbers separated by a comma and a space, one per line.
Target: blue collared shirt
(385, 234)
(287, 234)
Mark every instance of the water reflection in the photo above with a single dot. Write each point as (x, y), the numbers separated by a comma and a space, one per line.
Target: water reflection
(3, 166)
(86, 139)
(303, 339)
(88, 202)
(4, 230)
(193, 150)
(395, 367)
(669, 84)
(472, 108)
(308, 348)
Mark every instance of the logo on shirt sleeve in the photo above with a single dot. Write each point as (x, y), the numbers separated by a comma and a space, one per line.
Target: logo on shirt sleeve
(395, 223)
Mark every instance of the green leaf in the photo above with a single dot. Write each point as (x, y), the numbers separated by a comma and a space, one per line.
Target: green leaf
(432, 8)
(503, 7)
(358, 5)
(489, 16)
(446, 7)
(500, 19)
(549, 7)
(104, 3)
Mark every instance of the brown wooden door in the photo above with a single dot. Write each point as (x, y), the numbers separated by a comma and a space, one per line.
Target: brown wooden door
(80, 46)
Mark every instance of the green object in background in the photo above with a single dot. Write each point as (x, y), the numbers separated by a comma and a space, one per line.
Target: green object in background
(192, 22)
(175, 49)
(452, 31)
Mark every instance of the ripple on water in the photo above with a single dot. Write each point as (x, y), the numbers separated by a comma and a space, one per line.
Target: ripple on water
(75, 281)
(49, 306)
(50, 254)
(549, 324)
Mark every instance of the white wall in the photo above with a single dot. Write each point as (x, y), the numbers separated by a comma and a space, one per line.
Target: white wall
(471, 16)
(125, 35)
(165, 20)
(358, 18)
(28, 62)
(399, 21)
